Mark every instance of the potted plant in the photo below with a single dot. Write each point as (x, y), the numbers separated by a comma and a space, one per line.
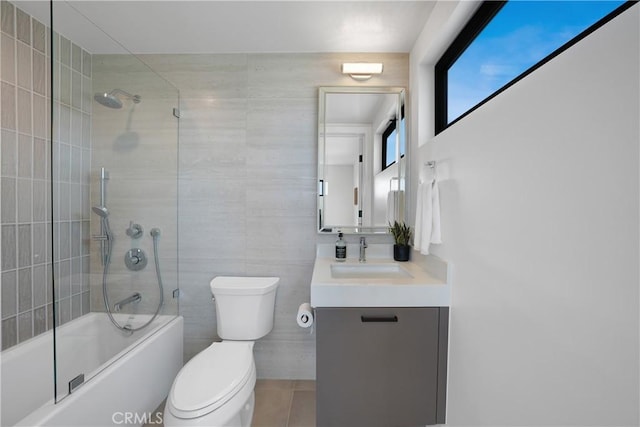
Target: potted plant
(402, 236)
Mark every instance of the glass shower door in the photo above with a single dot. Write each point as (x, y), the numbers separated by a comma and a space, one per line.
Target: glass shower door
(114, 172)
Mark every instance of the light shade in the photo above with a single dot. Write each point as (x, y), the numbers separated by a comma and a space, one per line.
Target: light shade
(362, 70)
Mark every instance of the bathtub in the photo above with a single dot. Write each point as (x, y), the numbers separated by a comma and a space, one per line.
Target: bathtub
(126, 375)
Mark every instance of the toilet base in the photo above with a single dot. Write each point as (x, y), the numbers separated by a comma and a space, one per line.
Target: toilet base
(237, 412)
(218, 418)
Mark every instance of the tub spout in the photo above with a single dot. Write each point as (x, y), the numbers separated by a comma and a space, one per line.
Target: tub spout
(133, 298)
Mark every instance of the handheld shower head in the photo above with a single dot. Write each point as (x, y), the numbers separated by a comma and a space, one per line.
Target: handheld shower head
(102, 211)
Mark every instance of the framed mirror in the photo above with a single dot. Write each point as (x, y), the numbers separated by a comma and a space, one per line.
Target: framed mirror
(362, 158)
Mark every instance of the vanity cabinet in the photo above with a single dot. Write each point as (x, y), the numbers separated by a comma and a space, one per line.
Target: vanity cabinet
(381, 366)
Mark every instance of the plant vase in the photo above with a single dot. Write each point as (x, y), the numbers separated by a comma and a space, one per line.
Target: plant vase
(401, 252)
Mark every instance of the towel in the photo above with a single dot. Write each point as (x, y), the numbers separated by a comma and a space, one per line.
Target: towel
(427, 229)
(395, 204)
(391, 207)
(436, 238)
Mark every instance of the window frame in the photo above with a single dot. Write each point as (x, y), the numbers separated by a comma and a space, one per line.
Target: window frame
(480, 19)
(385, 135)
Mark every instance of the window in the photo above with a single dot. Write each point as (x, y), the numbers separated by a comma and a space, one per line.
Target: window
(505, 41)
(389, 142)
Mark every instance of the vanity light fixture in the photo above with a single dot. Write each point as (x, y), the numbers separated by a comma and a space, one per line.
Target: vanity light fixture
(362, 70)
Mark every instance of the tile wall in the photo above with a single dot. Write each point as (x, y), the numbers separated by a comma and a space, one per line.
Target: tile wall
(26, 244)
(247, 169)
(138, 145)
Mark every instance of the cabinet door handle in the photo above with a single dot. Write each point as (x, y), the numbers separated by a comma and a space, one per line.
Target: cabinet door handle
(387, 319)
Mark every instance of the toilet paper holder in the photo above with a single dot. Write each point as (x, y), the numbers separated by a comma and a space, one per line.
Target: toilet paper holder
(304, 317)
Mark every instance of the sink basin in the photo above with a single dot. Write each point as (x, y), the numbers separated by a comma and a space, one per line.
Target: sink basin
(378, 282)
(368, 271)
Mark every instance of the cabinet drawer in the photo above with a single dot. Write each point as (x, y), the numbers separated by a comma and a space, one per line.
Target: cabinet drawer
(377, 366)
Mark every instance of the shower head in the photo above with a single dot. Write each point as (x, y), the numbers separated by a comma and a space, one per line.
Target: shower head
(102, 211)
(109, 99)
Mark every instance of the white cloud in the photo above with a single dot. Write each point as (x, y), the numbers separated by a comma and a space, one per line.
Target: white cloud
(497, 70)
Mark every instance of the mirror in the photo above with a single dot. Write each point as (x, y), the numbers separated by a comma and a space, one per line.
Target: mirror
(362, 159)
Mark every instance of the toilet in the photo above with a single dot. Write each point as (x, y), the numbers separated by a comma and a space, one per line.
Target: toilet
(215, 388)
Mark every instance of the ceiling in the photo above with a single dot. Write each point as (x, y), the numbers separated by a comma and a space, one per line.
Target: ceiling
(352, 108)
(211, 26)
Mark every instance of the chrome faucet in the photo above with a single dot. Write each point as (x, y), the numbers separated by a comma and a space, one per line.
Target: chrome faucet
(133, 298)
(363, 247)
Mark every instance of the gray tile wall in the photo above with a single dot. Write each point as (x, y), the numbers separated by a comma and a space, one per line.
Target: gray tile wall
(247, 205)
(72, 93)
(138, 145)
(247, 164)
(25, 171)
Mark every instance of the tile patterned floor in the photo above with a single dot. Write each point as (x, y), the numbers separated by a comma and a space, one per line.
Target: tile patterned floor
(285, 403)
(281, 403)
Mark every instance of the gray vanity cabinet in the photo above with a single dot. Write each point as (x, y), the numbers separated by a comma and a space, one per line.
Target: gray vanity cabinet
(381, 366)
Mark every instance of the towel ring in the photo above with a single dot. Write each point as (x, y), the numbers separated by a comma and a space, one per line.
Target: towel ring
(432, 165)
(391, 183)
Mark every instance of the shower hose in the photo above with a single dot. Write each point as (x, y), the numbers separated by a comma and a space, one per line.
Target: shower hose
(155, 233)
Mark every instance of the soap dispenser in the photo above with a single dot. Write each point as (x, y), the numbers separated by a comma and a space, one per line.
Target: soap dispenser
(341, 248)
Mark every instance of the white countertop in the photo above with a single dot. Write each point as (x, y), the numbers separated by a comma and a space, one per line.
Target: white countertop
(420, 289)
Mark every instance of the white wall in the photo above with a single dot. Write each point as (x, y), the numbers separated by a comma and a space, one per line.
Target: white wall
(539, 195)
(339, 198)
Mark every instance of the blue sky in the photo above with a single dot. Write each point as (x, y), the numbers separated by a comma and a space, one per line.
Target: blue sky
(520, 35)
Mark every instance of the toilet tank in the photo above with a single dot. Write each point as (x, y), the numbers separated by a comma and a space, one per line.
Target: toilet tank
(244, 306)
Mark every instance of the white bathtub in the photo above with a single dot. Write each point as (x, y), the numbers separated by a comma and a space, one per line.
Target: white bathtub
(126, 376)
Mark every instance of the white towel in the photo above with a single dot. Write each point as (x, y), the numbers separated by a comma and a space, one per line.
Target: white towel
(391, 207)
(427, 229)
(395, 203)
(424, 217)
(435, 230)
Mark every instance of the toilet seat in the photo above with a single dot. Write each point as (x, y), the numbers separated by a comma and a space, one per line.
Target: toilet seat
(211, 378)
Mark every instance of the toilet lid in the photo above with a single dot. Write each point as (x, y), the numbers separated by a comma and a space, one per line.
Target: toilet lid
(211, 378)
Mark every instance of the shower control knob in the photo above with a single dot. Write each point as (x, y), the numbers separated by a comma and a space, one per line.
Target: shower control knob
(135, 259)
(135, 231)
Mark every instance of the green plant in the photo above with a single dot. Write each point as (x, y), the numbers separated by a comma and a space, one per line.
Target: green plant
(401, 233)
